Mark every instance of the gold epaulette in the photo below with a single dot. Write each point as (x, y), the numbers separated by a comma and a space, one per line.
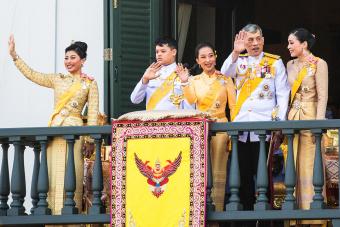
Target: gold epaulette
(276, 57)
(243, 55)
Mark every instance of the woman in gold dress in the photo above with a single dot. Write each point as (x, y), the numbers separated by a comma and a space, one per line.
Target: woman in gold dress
(308, 77)
(71, 92)
(211, 92)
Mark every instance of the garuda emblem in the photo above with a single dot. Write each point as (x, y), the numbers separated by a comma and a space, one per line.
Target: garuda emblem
(158, 176)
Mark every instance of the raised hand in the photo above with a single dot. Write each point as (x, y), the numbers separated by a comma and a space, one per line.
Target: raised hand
(11, 47)
(151, 72)
(239, 42)
(182, 72)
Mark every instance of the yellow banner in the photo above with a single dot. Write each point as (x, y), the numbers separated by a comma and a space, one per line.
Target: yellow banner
(161, 92)
(158, 182)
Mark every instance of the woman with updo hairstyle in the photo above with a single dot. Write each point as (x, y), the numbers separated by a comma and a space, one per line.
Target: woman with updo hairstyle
(211, 91)
(308, 78)
(72, 91)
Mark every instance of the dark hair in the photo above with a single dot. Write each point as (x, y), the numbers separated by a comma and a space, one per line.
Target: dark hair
(201, 45)
(303, 35)
(79, 47)
(166, 41)
(195, 69)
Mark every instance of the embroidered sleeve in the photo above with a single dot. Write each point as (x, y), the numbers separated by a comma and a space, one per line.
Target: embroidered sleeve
(321, 80)
(93, 104)
(42, 79)
(189, 92)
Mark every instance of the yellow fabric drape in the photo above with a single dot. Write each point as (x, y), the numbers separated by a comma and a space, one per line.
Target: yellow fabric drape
(210, 96)
(250, 84)
(64, 99)
(297, 83)
(161, 92)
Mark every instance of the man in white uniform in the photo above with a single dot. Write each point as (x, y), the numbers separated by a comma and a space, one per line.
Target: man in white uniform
(160, 84)
(262, 94)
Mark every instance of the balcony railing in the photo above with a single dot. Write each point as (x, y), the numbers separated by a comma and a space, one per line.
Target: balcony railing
(262, 210)
(40, 213)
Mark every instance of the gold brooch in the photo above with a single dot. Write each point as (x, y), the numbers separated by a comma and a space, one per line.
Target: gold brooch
(74, 104)
(305, 89)
(217, 104)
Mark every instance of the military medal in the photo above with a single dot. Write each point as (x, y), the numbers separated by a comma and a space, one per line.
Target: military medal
(265, 70)
(261, 95)
(266, 87)
(242, 69)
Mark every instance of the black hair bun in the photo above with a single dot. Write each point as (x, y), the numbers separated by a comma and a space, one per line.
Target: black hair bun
(81, 45)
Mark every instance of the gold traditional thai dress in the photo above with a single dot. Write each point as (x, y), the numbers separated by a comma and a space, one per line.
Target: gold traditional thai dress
(71, 93)
(211, 94)
(309, 81)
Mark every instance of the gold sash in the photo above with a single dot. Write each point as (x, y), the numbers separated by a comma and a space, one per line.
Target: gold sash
(210, 97)
(297, 83)
(64, 99)
(250, 84)
(161, 92)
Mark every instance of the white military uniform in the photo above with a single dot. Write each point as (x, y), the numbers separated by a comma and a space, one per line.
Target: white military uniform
(272, 92)
(141, 90)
